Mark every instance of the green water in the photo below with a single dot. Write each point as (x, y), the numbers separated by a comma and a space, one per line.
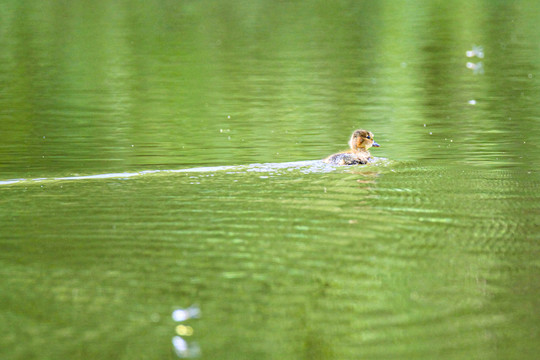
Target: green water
(156, 155)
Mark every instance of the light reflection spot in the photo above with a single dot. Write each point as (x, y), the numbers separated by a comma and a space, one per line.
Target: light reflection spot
(184, 330)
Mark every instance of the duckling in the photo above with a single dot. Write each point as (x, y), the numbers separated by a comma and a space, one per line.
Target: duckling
(360, 142)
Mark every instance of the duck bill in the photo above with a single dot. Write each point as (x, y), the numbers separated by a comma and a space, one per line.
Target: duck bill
(375, 144)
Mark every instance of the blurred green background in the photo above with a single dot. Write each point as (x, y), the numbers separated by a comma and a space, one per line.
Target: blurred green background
(103, 86)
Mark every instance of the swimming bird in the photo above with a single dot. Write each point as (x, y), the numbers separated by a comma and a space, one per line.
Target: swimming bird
(360, 142)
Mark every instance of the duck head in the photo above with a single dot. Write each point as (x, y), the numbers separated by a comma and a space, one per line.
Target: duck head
(362, 140)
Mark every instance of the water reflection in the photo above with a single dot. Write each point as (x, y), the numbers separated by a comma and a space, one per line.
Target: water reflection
(182, 348)
(478, 68)
(438, 256)
(191, 312)
(477, 51)
(184, 330)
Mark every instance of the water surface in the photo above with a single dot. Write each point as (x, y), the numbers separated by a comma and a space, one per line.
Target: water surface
(161, 155)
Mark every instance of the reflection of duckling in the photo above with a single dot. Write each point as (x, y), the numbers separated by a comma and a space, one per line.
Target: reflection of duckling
(361, 141)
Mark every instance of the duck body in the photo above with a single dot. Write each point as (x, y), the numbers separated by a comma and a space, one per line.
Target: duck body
(360, 143)
(348, 158)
